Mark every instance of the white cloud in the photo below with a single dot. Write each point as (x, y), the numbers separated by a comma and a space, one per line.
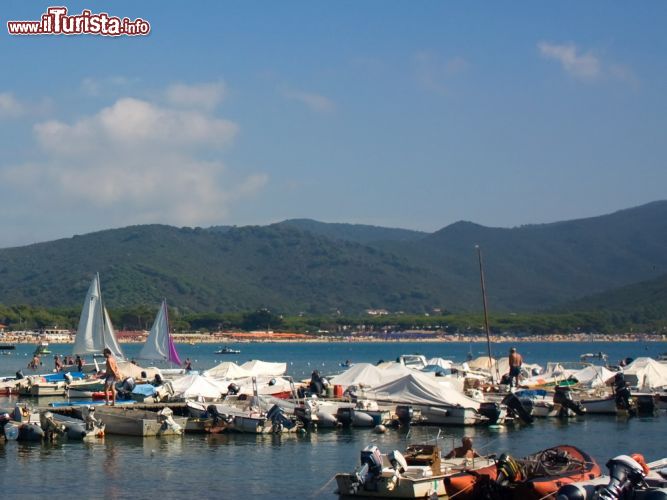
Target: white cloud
(580, 65)
(433, 74)
(95, 86)
(203, 96)
(10, 107)
(315, 102)
(133, 162)
(586, 66)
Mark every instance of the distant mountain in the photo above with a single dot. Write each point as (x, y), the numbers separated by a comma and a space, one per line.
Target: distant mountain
(644, 298)
(303, 265)
(536, 266)
(358, 233)
(202, 270)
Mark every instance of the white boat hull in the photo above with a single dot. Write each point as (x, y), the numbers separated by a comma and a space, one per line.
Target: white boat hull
(602, 406)
(390, 486)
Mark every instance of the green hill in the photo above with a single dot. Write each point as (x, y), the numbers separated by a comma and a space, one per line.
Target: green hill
(534, 267)
(358, 233)
(303, 265)
(238, 269)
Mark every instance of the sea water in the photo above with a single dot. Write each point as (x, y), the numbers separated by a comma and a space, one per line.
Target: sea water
(297, 466)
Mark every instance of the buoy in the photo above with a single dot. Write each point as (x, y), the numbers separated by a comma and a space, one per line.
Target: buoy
(380, 429)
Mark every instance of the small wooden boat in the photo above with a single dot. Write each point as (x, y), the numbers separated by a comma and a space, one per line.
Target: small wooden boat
(534, 477)
(133, 422)
(419, 472)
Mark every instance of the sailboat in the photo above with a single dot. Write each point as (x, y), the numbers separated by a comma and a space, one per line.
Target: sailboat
(95, 331)
(159, 345)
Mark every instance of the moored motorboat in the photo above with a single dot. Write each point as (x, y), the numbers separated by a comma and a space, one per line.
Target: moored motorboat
(419, 472)
(133, 422)
(76, 428)
(227, 350)
(534, 477)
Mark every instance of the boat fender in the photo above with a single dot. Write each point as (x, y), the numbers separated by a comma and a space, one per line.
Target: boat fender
(575, 492)
(380, 429)
(12, 431)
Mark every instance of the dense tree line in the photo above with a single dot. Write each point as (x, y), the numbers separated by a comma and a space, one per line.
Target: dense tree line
(140, 318)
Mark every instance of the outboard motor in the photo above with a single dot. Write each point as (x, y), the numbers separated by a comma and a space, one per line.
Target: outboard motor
(625, 473)
(371, 466)
(19, 375)
(51, 428)
(490, 410)
(622, 393)
(166, 418)
(509, 470)
(218, 417)
(404, 413)
(68, 377)
(233, 389)
(345, 416)
(125, 388)
(397, 461)
(519, 407)
(563, 397)
(279, 420)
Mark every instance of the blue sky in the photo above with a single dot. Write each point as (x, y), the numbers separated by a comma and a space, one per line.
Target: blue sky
(403, 114)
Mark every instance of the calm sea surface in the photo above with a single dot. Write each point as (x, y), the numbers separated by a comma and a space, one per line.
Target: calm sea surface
(245, 466)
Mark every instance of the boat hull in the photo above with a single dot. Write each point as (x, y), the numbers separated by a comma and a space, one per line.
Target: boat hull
(132, 422)
(390, 486)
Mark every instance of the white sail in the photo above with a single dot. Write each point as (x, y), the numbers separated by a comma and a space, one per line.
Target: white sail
(110, 339)
(95, 331)
(159, 345)
(156, 347)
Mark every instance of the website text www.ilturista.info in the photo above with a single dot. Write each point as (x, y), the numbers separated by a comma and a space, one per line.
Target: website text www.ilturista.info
(56, 21)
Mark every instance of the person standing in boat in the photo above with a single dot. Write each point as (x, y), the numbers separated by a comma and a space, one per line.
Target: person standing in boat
(57, 363)
(515, 366)
(188, 365)
(112, 375)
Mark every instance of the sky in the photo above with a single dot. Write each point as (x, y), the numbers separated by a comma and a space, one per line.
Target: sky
(392, 113)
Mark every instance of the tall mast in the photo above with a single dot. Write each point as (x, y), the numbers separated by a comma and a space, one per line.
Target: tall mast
(104, 322)
(486, 314)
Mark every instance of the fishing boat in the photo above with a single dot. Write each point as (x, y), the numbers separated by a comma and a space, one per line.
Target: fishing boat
(227, 350)
(535, 477)
(127, 421)
(418, 472)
